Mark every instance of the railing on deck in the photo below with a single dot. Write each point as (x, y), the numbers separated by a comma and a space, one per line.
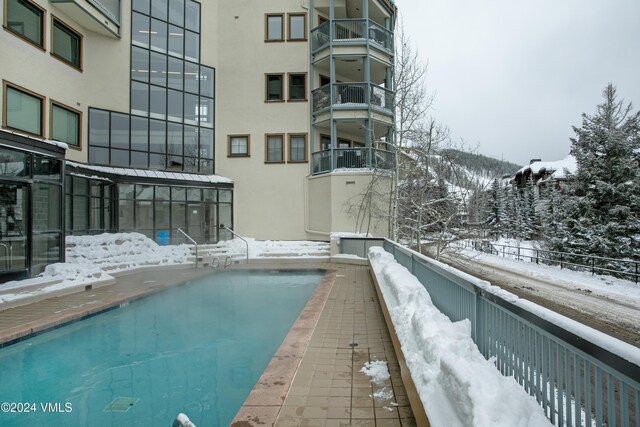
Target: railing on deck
(352, 31)
(351, 158)
(353, 95)
(576, 381)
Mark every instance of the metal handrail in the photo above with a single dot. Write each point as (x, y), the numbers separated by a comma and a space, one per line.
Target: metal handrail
(239, 237)
(192, 241)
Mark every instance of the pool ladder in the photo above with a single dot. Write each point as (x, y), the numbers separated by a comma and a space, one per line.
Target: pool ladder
(216, 262)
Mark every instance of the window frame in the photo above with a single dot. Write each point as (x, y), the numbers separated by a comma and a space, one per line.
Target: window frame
(306, 147)
(247, 137)
(57, 104)
(289, 99)
(5, 86)
(73, 32)
(304, 17)
(282, 148)
(266, 28)
(43, 25)
(266, 87)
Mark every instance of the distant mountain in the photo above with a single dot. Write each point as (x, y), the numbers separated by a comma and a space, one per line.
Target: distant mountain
(470, 171)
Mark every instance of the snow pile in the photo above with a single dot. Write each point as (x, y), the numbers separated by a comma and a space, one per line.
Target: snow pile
(457, 385)
(377, 371)
(270, 248)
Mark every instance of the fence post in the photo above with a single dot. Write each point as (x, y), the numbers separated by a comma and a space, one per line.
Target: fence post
(593, 266)
(537, 256)
(561, 260)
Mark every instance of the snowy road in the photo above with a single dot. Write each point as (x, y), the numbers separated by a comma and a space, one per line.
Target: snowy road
(609, 305)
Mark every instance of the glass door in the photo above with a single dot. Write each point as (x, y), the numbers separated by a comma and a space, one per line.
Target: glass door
(13, 224)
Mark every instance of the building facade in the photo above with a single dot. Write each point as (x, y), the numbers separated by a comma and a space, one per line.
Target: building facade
(271, 118)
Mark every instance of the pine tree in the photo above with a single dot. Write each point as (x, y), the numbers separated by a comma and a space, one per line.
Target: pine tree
(603, 204)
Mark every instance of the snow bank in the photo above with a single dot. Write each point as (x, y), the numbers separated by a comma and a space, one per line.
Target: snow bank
(267, 248)
(457, 385)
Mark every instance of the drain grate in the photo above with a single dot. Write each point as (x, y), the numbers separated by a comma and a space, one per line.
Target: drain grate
(121, 404)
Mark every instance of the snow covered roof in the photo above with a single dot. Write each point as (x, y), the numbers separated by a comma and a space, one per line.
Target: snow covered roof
(144, 173)
(558, 169)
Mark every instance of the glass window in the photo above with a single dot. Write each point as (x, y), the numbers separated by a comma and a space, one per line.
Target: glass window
(141, 6)
(46, 207)
(26, 20)
(139, 64)
(191, 46)
(175, 73)
(139, 159)
(192, 16)
(159, 9)
(139, 98)
(162, 214)
(158, 102)
(13, 163)
(119, 130)
(178, 194)
(177, 215)
(98, 128)
(239, 145)
(99, 155)
(206, 81)
(119, 158)
(157, 136)
(297, 27)
(174, 106)
(191, 77)
(274, 87)
(158, 70)
(205, 112)
(225, 197)
(191, 141)
(297, 87)
(140, 30)
(139, 133)
(274, 152)
(176, 12)
(65, 125)
(67, 44)
(144, 214)
(297, 148)
(274, 28)
(176, 41)
(174, 139)
(157, 161)
(194, 194)
(47, 249)
(206, 143)
(23, 111)
(125, 215)
(190, 109)
(158, 35)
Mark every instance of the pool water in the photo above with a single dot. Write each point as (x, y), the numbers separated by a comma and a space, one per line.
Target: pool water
(197, 348)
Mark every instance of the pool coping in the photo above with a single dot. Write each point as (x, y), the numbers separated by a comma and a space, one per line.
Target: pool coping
(265, 400)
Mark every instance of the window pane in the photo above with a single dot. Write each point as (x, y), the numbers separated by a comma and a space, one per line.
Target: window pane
(65, 126)
(174, 107)
(158, 71)
(98, 128)
(47, 249)
(144, 214)
(158, 102)
(206, 143)
(157, 161)
(13, 163)
(174, 163)
(66, 44)
(177, 215)
(274, 88)
(175, 73)
(191, 141)
(206, 166)
(141, 6)
(192, 16)
(298, 148)
(162, 215)
(162, 193)
(139, 133)
(297, 85)
(119, 158)
(119, 131)
(159, 9)
(191, 81)
(239, 145)
(99, 155)
(158, 136)
(176, 41)
(190, 109)
(139, 64)
(139, 160)
(139, 98)
(140, 30)
(46, 200)
(191, 46)
(178, 194)
(205, 112)
(158, 35)
(274, 27)
(296, 27)
(25, 19)
(176, 12)
(24, 111)
(274, 148)
(206, 81)
(174, 139)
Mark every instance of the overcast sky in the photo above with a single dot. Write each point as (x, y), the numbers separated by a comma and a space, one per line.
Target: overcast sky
(514, 76)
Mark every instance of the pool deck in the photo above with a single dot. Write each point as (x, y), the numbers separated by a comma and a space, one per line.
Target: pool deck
(314, 378)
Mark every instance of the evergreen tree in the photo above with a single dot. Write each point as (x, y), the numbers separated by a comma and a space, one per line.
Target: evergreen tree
(602, 212)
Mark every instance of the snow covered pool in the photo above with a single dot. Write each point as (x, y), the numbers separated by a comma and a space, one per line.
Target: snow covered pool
(197, 349)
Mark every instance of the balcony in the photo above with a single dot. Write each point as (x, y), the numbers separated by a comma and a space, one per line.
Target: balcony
(353, 96)
(352, 32)
(351, 158)
(99, 16)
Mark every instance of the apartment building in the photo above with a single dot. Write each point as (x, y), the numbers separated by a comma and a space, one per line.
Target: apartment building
(162, 116)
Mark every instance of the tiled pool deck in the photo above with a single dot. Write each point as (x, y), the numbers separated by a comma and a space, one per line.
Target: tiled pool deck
(313, 380)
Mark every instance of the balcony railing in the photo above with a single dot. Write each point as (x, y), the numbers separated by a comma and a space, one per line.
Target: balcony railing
(353, 95)
(358, 31)
(351, 158)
